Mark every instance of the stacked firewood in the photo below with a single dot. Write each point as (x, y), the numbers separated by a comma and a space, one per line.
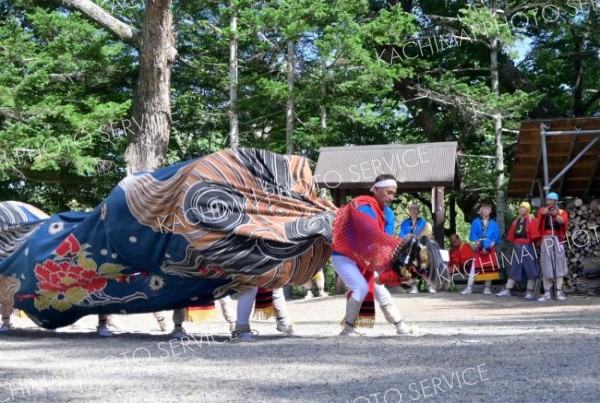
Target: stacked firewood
(583, 246)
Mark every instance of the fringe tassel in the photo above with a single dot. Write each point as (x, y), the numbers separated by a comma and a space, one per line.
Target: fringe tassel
(200, 314)
(365, 321)
(362, 321)
(264, 313)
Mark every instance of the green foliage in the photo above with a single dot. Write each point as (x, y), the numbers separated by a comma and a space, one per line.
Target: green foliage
(66, 84)
(61, 80)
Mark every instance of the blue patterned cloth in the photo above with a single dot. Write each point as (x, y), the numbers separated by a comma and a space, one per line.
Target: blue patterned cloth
(176, 237)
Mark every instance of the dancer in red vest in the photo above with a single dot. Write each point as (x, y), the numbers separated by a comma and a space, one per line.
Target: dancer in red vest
(361, 281)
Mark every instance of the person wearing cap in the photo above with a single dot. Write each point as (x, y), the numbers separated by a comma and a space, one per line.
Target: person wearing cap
(376, 207)
(416, 226)
(523, 233)
(553, 224)
(485, 234)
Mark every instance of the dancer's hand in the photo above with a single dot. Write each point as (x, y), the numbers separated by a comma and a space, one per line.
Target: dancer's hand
(376, 278)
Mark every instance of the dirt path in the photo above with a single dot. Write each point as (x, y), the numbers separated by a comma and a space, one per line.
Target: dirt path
(476, 348)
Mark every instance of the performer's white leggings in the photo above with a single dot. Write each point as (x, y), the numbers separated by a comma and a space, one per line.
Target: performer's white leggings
(245, 305)
(488, 283)
(347, 269)
(6, 311)
(319, 279)
(548, 284)
(511, 283)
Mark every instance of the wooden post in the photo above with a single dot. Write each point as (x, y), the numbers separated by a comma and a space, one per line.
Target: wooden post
(437, 198)
(338, 199)
(452, 213)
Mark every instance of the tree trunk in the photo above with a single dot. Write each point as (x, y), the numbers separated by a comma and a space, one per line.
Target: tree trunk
(437, 199)
(148, 141)
(148, 137)
(578, 104)
(323, 114)
(290, 113)
(233, 80)
(322, 108)
(497, 119)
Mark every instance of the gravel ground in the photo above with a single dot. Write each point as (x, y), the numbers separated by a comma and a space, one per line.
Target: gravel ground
(476, 348)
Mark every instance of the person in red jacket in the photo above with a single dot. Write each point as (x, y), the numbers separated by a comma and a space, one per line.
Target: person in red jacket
(523, 233)
(461, 255)
(553, 224)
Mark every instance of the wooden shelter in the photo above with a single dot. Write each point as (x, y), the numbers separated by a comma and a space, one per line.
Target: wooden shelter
(432, 167)
(561, 155)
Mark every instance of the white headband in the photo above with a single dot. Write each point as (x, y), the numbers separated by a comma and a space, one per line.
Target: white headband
(384, 183)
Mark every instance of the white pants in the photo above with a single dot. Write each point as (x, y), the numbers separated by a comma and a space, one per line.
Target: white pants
(488, 283)
(245, 305)
(347, 269)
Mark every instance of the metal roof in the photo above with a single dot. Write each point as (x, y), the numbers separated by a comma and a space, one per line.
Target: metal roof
(417, 167)
(582, 179)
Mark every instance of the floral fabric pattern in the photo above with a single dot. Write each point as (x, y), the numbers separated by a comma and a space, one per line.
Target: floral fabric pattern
(69, 278)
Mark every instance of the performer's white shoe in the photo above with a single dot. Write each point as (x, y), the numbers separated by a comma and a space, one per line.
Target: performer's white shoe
(286, 328)
(104, 331)
(403, 329)
(504, 293)
(560, 296)
(466, 291)
(529, 295)
(162, 325)
(545, 297)
(487, 291)
(414, 290)
(323, 293)
(431, 289)
(350, 331)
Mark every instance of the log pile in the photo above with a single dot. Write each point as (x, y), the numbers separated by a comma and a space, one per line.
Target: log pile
(583, 246)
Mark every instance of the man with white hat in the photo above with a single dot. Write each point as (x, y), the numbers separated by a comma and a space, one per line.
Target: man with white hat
(360, 308)
(553, 224)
